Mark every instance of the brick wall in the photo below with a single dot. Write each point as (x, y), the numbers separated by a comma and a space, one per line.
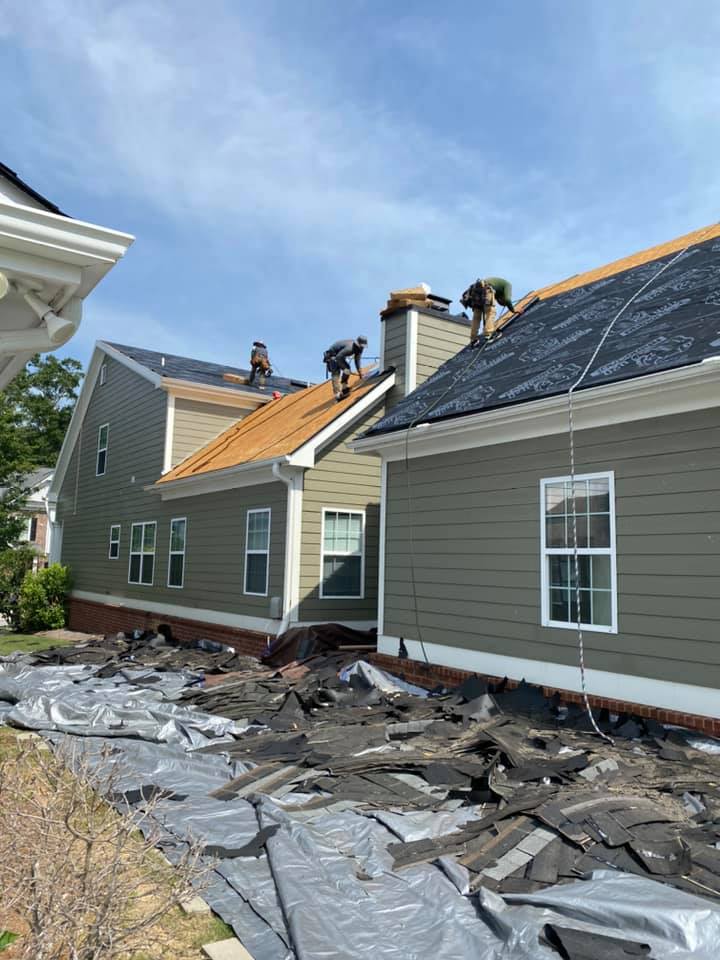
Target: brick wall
(430, 675)
(91, 617)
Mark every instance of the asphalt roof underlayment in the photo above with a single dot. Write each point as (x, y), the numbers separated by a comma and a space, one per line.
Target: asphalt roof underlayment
(350, 815)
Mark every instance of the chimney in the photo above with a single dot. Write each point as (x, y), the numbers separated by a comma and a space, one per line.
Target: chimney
(418, 334)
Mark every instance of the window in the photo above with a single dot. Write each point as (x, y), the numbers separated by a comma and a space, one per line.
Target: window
(142, 553)
(176, 560)
(257, 552)
(31, 531)
(103, 374)
(343, 562)
(102, 447)
(594, 501)
(114, 551)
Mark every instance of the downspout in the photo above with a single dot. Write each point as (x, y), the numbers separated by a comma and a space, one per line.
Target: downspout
(293, 480)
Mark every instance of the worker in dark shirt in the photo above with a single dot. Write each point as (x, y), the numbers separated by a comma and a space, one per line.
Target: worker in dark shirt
(336, 360)
(482, 297)
(259, 362)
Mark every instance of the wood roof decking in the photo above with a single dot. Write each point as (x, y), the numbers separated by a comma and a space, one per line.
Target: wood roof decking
(275, 430)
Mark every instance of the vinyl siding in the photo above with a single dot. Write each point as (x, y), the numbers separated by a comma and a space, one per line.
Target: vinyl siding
(196, 423)
(438, 340)
(215, 552)
(476, 523)
(395, 340)
(340, 479)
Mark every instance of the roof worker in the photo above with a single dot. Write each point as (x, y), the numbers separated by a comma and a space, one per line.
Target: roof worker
(482, 297)
(259, 363)
(336, 359)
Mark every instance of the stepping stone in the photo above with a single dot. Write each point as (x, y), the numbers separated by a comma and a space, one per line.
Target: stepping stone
(227, 950)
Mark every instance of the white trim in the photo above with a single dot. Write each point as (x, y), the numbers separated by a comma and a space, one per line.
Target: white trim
(169, 432)
(13, 366)
(411, 344)
(143, 552)
(126, 361)
(118, 527)
(173, 553)
(334, 553)
(248, 551)
(199, 614)
(669, 392)
(294, 479)
(99, 450)
(103, 374)
(352, 624)
(683, 697)
(610, 551)
(382, 343)
(382, 548)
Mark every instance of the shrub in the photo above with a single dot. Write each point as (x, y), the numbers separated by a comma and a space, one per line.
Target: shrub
(14, 565)
(43, 596)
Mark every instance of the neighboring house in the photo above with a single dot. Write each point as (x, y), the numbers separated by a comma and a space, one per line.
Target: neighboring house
(49, 263)
(36, 528)
(182, 498)
(477, 569)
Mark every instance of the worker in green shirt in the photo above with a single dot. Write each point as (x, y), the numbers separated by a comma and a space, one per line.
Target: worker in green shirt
(482, 297)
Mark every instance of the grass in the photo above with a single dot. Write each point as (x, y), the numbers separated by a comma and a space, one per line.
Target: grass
(25, 643)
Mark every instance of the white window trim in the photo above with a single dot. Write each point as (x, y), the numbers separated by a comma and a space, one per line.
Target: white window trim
(103, 374)
(131, 553)
(251, 593)
(360, 512)
(118, 527)
(103, 426)
(172, 553)
(610, 551)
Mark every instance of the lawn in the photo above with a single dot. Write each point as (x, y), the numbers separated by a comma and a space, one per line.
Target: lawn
(26, 643)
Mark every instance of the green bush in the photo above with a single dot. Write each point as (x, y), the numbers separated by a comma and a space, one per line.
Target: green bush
(43, 596)
(14, 565)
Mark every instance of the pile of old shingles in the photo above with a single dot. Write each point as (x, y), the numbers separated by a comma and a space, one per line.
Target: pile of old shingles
(551, 800)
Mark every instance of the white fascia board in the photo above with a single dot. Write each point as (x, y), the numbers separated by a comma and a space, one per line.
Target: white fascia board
(660, 394)
(244, 475)
(76, 422)
(13, 365)
(169, 432)
(200, 614)
(305, 455)
(189, 390)
(138, 368)
(411, 345)
(683, 697)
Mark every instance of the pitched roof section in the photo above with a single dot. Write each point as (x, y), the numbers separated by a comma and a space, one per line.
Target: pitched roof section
(200, 371)
(13, 178)
(675, 322)
(275, 430)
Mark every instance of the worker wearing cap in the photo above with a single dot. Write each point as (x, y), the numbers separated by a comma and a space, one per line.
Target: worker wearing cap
(259, 362)
(482, 297)
(336, 359)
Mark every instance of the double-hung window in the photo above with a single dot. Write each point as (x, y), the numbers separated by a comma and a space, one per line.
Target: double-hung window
(342, 572)
(142, 553)
(176, 559)
(102, 448)
(114, 549)
(590, 507)
(257, 552)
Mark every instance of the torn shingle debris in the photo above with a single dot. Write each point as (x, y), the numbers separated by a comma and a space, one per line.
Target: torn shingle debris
(321, 798)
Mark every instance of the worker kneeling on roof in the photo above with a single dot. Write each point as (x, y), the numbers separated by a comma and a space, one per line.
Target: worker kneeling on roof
(336, 360)
(259, 362)
(482, 297)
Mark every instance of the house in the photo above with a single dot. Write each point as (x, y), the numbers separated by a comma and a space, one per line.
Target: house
(477, 557)
(183, 498)
(34, 510)
(49, 263)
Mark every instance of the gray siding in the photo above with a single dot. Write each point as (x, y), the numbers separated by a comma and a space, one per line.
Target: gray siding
(438, 340)
(395, 328)
(197, 422)
(215, 554)
(340, 479)
(476, 522)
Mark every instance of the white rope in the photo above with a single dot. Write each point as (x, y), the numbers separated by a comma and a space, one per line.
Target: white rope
(571, 426)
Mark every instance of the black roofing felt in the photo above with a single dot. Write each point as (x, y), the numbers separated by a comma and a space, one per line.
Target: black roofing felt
(26, 188)
(674, 323)
(200, 371)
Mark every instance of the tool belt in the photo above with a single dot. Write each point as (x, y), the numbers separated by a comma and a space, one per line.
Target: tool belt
(478, 296)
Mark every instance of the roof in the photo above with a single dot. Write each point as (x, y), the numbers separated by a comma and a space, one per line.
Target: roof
(675, 322)
(201, 371)
(34, 479)
(26, 188)
(275, 430)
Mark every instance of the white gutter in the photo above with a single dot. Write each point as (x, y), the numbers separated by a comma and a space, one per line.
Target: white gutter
(294, 481)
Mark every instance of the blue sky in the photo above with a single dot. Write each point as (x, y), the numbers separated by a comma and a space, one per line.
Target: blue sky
(285, 163)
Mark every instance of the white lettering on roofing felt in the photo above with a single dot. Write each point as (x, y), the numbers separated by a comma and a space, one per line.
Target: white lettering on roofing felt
(559, 374)
(601, 308)
(639, 320)
(675, 282)
(659, 350)
(552, 345)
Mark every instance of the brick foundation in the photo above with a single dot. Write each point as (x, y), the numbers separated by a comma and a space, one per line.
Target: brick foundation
(91, 617)
(430, 675)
